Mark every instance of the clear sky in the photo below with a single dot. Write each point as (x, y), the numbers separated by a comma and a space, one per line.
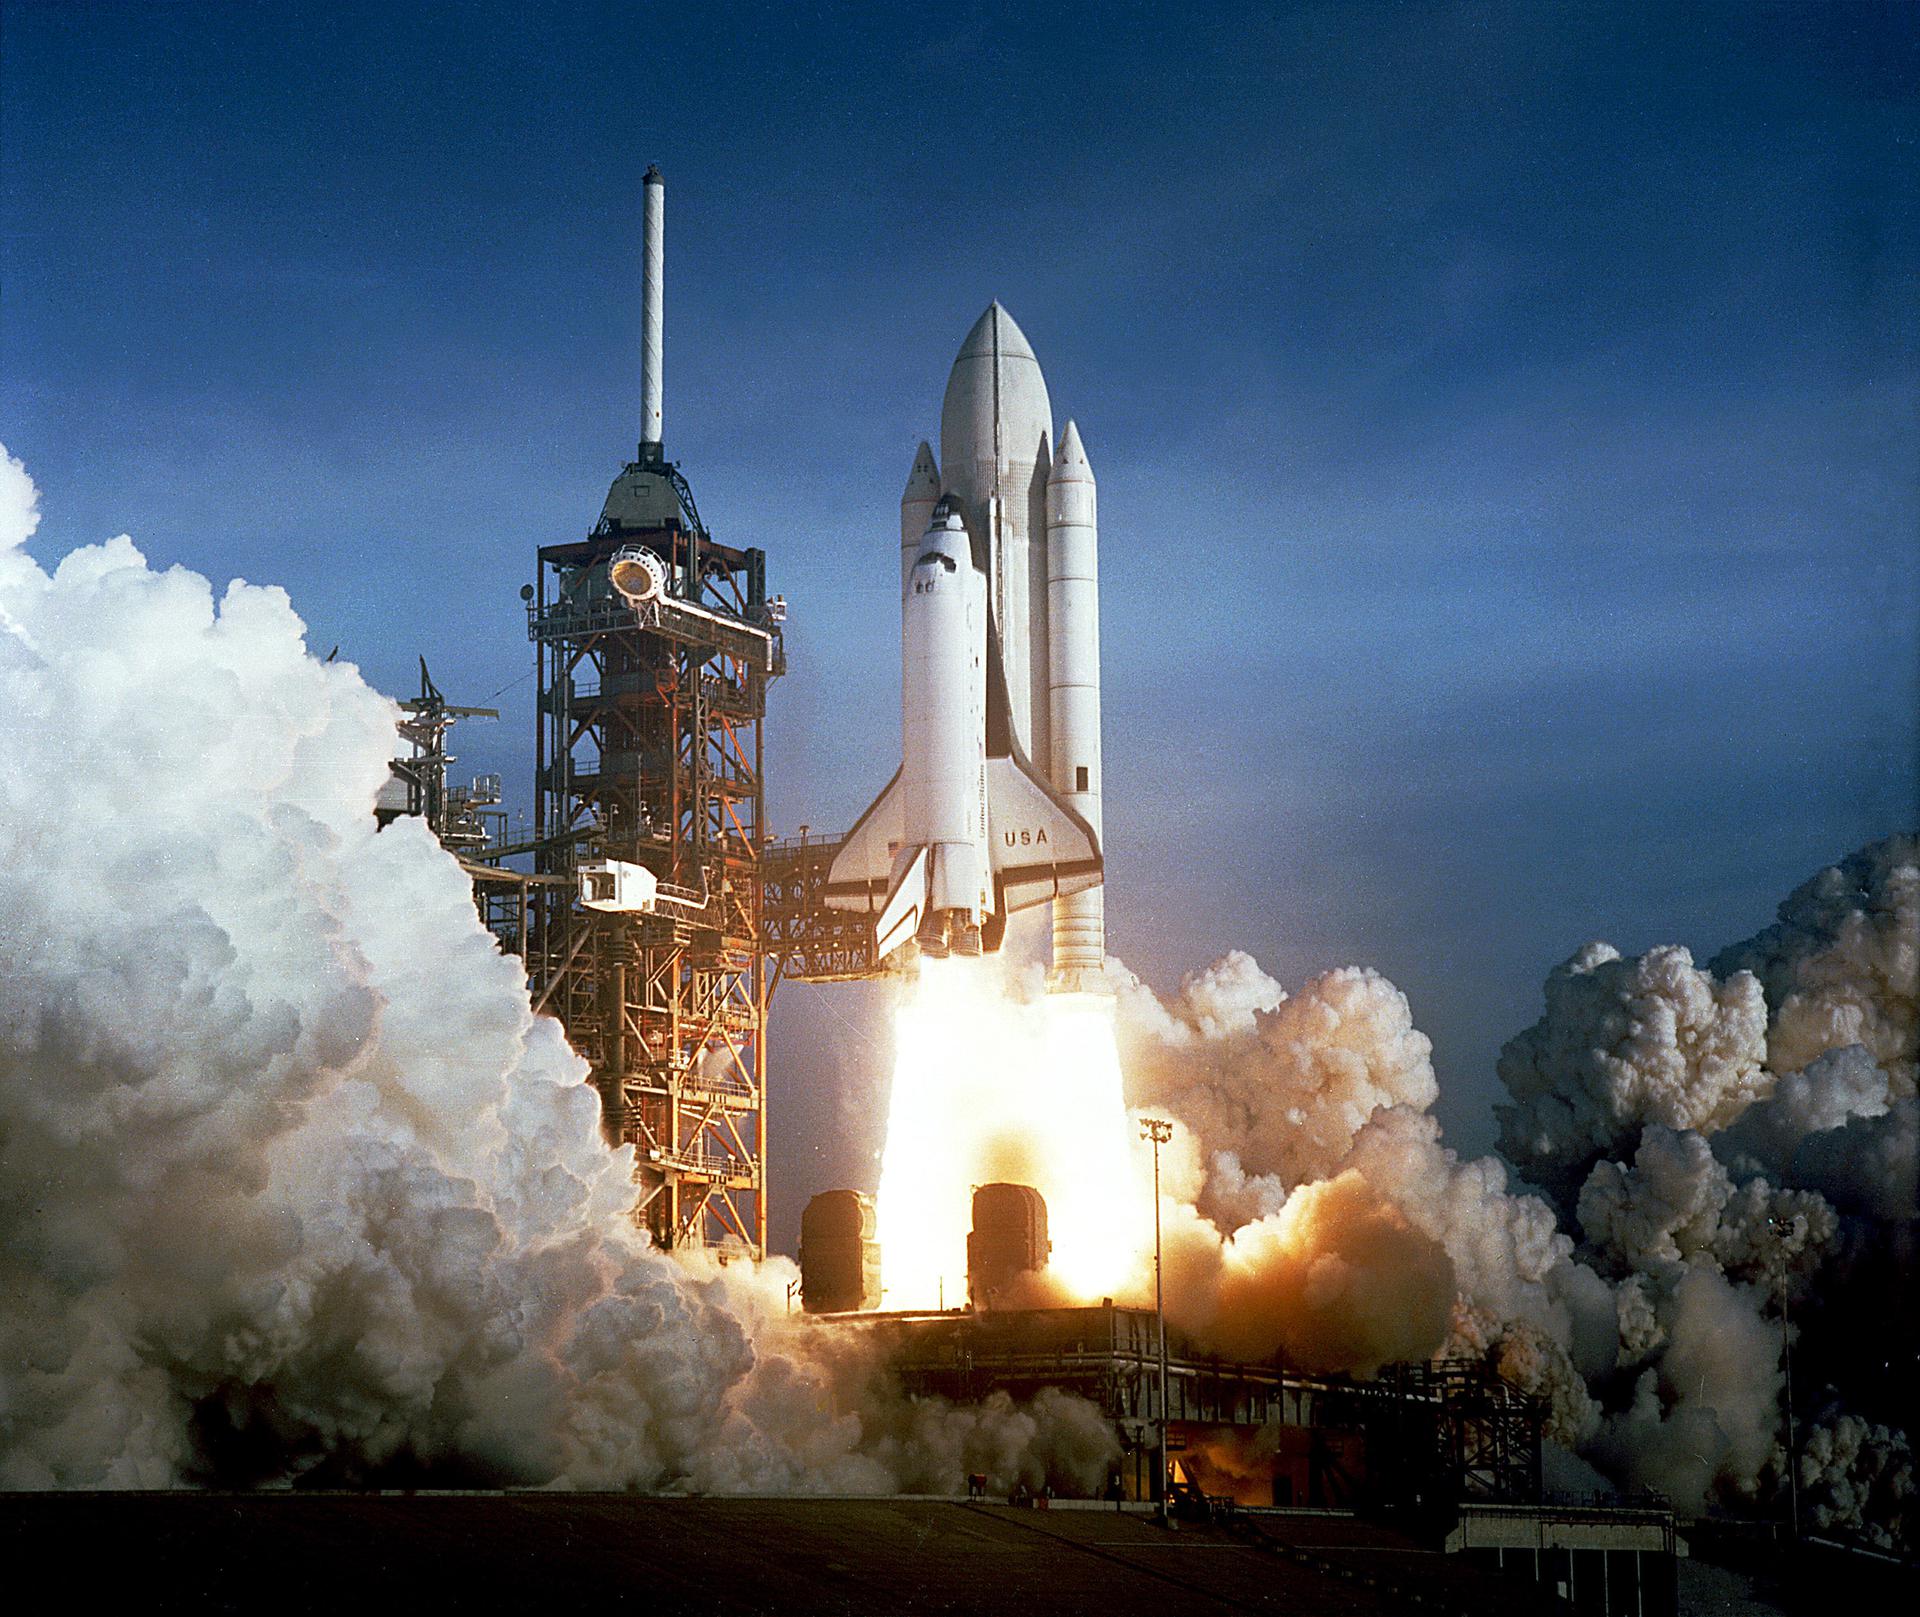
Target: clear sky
(1504, 414)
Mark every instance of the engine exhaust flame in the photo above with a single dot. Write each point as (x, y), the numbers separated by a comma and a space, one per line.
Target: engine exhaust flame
(985, 1089)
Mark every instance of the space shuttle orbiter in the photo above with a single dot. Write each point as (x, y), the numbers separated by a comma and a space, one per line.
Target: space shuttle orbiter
(996, 805)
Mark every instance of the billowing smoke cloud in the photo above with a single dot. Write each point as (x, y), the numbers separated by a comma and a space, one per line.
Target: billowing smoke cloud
(1713, 1143)
(1677, 1204)
(1627, 1041)
(1704, 1418)
(1275, 1087)
(1281, 1097)
(1858, 1478)
(1841, 964)
(1717, 1167)
(1337, 1279)
(1826, 995)
(291, 1182)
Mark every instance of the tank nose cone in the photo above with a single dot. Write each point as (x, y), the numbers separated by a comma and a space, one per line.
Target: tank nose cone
(995, 332)
(996, 412)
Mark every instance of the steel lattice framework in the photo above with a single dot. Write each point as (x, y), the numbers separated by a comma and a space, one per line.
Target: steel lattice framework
(649, 752)
(806, 940)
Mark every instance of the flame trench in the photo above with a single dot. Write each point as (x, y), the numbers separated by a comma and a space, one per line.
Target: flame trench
(989, 1089)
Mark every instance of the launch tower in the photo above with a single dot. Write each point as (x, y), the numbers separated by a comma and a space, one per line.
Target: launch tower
(644, 929)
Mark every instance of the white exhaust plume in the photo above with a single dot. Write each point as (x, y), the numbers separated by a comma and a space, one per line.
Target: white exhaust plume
(291, 1182)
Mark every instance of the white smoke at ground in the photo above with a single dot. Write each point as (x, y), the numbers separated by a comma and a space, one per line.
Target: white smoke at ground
(1702, 1425)
(1696, 1181)
(1858, 1478)
(1056, 1442)
(292, 1184)
(1752, 1122)
(1281, 1095)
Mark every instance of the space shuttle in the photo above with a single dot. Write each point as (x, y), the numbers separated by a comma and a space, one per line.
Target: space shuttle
(996, 805)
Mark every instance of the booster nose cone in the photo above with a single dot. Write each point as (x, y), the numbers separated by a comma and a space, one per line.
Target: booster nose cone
(996, 411)
(923, 482)
(1070, 463)
(922, 493)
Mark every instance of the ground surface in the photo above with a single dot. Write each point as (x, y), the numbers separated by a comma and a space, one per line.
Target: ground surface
(342, 1553)
(354, 1554)
(1730, 1575)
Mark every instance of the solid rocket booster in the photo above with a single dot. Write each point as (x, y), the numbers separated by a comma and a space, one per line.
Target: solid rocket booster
(1027, 509)
(1073, 693)
(652, 311)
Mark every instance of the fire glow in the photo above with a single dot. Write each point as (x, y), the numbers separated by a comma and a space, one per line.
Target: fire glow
(988, 1089)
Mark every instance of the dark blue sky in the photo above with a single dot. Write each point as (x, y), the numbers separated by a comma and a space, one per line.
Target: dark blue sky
(1504, 414)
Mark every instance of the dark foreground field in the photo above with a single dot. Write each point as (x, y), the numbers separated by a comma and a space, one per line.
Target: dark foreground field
(363, 1555)
(366, 1554)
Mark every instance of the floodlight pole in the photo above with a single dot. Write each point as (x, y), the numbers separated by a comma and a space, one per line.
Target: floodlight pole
(1152, 1128)
(1783, 1227)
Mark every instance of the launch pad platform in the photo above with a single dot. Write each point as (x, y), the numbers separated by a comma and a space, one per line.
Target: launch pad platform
(1417, 1437)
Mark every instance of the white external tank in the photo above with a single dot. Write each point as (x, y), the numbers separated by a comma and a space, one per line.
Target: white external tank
(943, 772)
(996, 439)
(1073, 693)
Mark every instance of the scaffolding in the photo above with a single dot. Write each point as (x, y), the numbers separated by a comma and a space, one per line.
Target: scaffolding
(807, 941)
(464, 818)
(1447, 1431)
(648, 759)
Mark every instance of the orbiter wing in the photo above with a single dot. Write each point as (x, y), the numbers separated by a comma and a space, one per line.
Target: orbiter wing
(1039, 848)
